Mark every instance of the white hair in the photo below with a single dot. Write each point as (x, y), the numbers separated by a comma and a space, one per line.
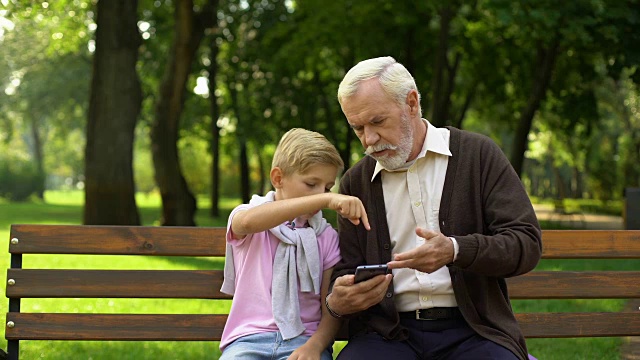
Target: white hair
(394, 78)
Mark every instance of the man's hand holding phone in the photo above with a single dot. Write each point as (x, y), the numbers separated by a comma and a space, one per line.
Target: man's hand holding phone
(366, 272)
(349, 297)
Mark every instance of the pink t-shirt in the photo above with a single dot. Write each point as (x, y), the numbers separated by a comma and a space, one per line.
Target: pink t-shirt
(253, 259)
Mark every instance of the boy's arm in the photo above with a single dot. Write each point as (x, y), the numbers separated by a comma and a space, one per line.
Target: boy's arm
(327, 329)
(271, 214)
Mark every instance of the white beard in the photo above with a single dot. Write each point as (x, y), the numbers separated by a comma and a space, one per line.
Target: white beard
(402, 150)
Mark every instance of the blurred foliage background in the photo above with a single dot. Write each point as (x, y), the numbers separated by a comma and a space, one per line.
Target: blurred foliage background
(185, 98)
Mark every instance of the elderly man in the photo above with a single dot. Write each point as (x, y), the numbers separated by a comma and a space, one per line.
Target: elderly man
(449, 216)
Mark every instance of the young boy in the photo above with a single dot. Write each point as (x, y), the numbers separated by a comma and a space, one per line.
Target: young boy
(280, 255)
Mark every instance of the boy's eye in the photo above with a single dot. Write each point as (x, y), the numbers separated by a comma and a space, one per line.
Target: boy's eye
(327, 190)
(310, 185)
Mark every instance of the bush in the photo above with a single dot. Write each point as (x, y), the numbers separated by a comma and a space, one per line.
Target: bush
(19, 179)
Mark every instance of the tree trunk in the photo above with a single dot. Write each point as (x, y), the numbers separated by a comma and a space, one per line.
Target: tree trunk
(544, 65)
(114, 106)
(37, 150)
(443, 74)
(244, 172)
(245, 183)
(576, 188)
(465, 106)
(215, 132)
(345, 150)
(631, 166)
(333, 117)
(178, 203)
(262, 166)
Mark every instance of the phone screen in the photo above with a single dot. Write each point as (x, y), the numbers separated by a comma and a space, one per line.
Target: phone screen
(366, 272)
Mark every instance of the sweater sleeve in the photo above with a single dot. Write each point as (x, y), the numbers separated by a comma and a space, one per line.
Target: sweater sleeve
(495, 225)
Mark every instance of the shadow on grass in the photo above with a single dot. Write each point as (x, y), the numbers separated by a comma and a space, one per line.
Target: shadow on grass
(556, 225)
(32, 213)
(44, 213)
(204, 263)
(119, 350)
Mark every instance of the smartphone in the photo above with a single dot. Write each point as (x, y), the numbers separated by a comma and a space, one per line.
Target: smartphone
(366, 272)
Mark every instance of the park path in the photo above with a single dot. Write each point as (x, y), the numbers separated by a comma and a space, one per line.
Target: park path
(586, 221)
(631, 347)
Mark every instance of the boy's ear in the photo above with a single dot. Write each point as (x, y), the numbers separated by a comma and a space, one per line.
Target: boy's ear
(276, 177)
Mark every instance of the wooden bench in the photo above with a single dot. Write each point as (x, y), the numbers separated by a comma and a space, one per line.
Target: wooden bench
(205, 284)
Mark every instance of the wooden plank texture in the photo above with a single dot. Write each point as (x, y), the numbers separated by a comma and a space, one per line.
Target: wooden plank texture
(36, 283)
(209, 241)
(560, 325)
(178, 327)
(118, 240)
(575, 285)
(591, 244)
(205, 284)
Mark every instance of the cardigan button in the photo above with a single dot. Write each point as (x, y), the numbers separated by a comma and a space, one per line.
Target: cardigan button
(386, 246)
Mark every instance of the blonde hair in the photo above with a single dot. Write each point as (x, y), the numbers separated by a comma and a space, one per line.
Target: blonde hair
(299, 149)
(394, 78)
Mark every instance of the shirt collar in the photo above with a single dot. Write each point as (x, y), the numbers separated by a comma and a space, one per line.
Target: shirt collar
(434, 142)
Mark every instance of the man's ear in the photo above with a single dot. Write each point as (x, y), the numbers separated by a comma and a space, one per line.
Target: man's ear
(413, 101)
(276, 177)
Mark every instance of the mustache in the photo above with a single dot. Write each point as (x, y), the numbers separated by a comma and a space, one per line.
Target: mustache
(380, 147)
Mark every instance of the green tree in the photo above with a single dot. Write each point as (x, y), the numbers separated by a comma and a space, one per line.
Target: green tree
(178, 203)
(532, 38)
(114, 106)
(45, 66)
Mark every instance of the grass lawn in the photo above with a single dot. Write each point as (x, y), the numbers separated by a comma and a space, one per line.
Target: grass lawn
(66, 208)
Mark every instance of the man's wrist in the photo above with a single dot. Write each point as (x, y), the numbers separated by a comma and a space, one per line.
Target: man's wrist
(329, 309)
(456, 248)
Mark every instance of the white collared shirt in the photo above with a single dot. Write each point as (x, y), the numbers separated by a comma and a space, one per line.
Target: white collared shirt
(412, 199)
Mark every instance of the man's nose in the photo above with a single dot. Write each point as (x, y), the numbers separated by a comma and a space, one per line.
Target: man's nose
(370, 137)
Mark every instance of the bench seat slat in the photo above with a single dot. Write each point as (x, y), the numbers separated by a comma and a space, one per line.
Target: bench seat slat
(54, 283)
(591, 244)
(564, 325)
(118, 240)
(138, 327)
(575, 285)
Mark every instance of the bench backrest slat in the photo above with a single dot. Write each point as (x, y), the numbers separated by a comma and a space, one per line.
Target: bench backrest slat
(36, 283)
(118, 240)
(575, 285)
(179, 327)
(591, 244)
(205, 284)
(558, 325)
(203, 241)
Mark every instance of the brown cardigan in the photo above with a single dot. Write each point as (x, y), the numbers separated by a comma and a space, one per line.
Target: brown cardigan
(485, 207)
